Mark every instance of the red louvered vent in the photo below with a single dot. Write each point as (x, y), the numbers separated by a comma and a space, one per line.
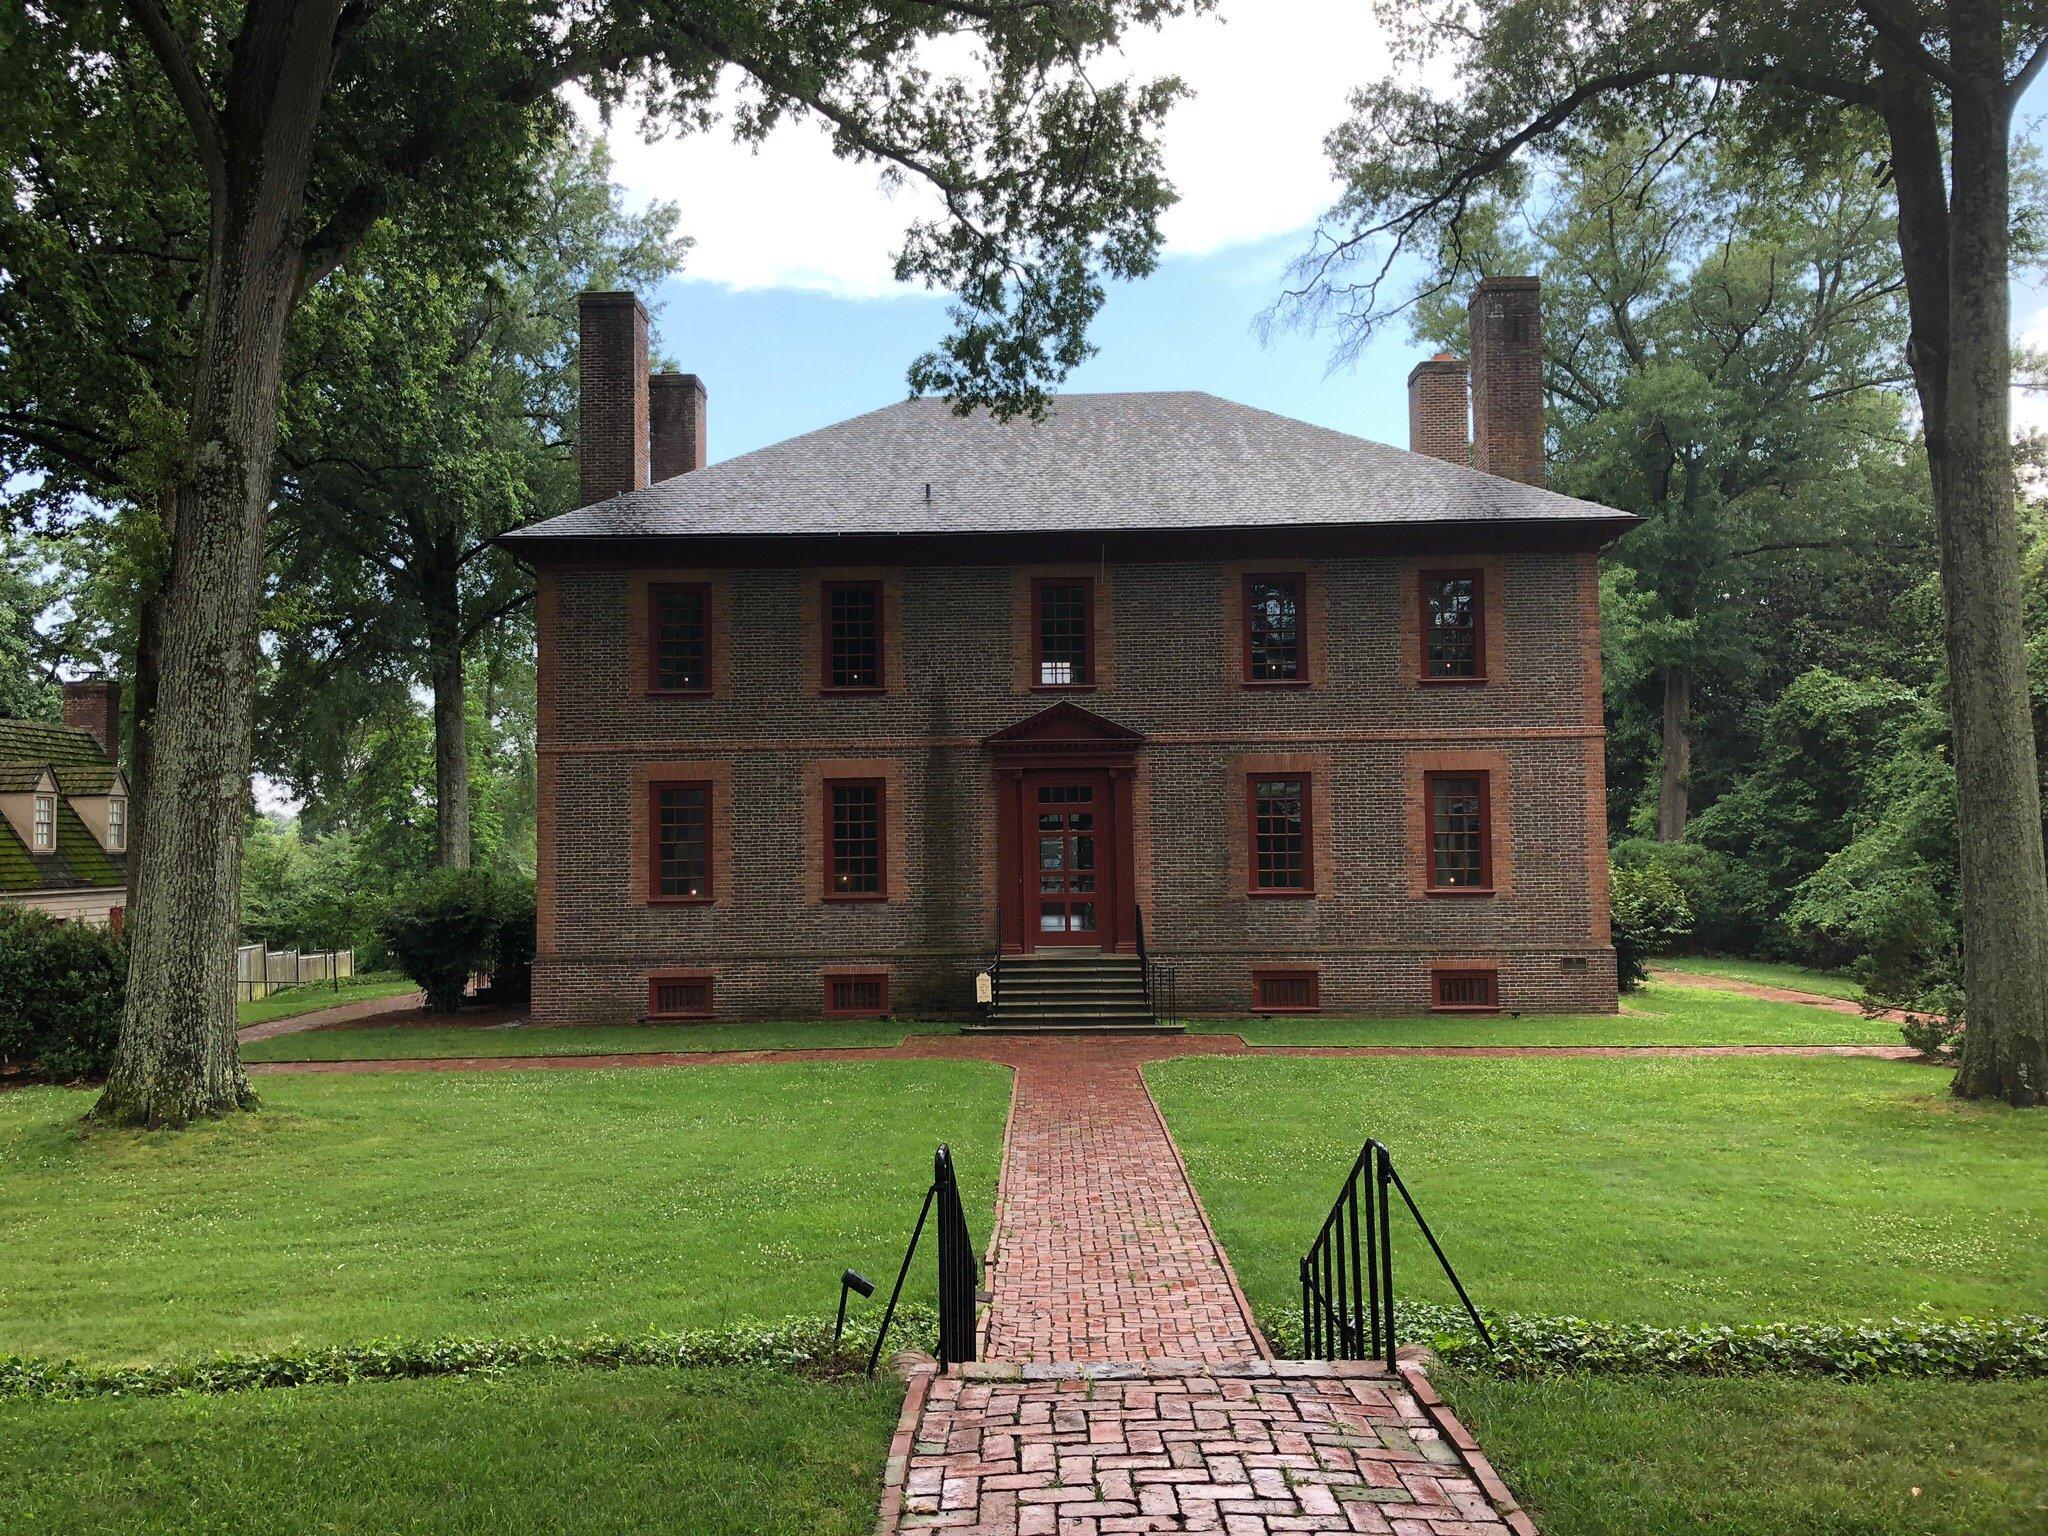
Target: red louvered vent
(1464, 991)
(1286, 991)
(862, 995)
(679, 997)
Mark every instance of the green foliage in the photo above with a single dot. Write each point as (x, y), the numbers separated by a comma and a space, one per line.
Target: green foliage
(1937, 1033)
(61, 988)
(1729, 902)
(1650, 916)
(454, 925)
(513, 944)
(804, 1345)
(301, 892)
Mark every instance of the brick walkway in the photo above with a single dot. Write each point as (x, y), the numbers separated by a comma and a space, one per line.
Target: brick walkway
(1124, 1387)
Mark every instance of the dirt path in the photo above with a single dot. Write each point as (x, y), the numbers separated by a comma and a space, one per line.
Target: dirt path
(1768, 994)
(323, 1018)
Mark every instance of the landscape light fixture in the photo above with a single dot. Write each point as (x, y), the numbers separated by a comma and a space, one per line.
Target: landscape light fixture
(850, 1280)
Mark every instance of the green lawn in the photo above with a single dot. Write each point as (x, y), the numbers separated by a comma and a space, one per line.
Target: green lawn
(579, 1040)
(1657, 1015)
(709, 1453)
(1766, 973)
(1666, 1190)
(505, 1203)
(314, 996)
(1639, 1457)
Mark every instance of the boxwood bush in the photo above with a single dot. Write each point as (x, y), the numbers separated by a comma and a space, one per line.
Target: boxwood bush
(61, 988)
(460, 923)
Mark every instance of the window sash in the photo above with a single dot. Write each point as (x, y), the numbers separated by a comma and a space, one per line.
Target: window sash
(679, 638)
(1460, 831)
(1277, 817)
(856, 849)
(679, 839)
(117, 824)
(1275, 634)
(45, 822)
(850, 625)
(1453, 626)
(1063, 632)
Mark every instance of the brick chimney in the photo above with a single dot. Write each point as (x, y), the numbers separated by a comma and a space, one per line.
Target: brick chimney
(675, 423)
(1436, 409)
(94, 704)
(613, 427)
(1507, 378)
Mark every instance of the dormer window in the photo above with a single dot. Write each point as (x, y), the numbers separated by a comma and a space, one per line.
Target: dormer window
(46, 823)
(117, 824)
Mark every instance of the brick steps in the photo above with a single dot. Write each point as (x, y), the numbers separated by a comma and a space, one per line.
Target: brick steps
(1072, 993)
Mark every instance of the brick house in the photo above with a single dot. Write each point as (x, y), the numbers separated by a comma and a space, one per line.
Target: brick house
(824, 727)
(64, 809)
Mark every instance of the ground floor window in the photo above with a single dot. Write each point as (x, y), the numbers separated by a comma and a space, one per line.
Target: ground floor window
(679, 827)
(854, 836)
(679, 995)
(1278, 816)
(1460, 833)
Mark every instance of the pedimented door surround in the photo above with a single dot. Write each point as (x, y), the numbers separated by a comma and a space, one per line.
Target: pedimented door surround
(1064, 869)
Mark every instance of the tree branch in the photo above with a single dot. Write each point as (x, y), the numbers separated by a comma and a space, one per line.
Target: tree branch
(191, 92)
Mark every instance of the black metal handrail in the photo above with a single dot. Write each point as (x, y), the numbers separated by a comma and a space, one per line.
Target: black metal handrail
(959, 1269)
(995, 966)
(1347, 1286)
(1161, 992)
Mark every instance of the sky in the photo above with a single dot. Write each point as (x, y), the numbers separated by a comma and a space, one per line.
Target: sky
(788, 311)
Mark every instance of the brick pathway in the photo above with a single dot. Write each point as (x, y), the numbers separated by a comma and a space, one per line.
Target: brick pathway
(1124, 1387)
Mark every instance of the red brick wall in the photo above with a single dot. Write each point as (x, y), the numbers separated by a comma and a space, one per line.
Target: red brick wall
(612, 420)
(1507, 379)
(1366, 731)
(1437, 407)
(675, 425)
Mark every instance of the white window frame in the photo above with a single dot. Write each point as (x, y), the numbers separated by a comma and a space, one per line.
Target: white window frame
(44, 823)
(117, 823)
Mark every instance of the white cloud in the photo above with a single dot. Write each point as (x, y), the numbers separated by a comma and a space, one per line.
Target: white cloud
(2030, 406)
(1245, 152)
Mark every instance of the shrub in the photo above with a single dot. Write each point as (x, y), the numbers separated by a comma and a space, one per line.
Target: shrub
(459, 923)
(61, 988)
(1650, 916)
(1730, 904)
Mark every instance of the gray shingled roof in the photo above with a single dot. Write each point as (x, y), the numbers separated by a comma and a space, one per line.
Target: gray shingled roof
(1179, 461)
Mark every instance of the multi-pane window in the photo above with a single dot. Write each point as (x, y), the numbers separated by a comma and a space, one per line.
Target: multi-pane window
(1460, 837)
(45, 823)
(852, 614)
(117, 824)
(853, 836)
(680, 866)
(1279, 810)
(679, 622)
(1062, 612)
(1453, 626)
(1273, 630)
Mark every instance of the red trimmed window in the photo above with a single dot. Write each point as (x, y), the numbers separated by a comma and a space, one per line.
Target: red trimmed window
(1453, 627)
(679, 842)
(679, 639)
(1277, 816)
(1275, 630)
(1062, 624)
(857, 995)
(1464, 991)
(850, 619)
(679, 995)
(855, 832)
(1286, 992)
(1460, 832)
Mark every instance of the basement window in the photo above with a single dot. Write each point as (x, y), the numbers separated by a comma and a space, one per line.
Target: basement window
(1290, 991)
(857, 995)
(1464, 991)
(679, 995)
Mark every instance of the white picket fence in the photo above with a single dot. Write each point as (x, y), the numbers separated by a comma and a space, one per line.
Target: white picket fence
(260, 970)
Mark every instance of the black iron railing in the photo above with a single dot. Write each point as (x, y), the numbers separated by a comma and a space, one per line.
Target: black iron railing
(995, 966)
(959, 1269)
(1347, 1276)
(1162, 996)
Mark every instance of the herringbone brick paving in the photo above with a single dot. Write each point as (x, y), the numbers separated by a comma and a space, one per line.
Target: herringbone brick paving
(1126, 1389)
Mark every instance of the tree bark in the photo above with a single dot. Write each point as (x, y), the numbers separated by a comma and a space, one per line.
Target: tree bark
(1674, 791)
(451, 741)
(2004, 881)
(176, 1058)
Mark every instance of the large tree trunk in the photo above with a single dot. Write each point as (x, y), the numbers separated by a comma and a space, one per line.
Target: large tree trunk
(451, 741)
(2004, 882)
(176, 1058)
(1674, 790)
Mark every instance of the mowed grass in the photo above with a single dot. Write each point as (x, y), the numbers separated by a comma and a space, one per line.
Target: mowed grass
(505, 1203)
(1765, 973)
(713, 1454)
(1593, 1456)
(438, 1042)
(1672, 1190)
(1656, 1015)
(314, 996)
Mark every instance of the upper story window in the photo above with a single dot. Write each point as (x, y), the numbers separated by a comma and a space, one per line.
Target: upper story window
(1460, 832)
(851, 623)
(679, 834)
(679, 624)
(117, 824)
(45, 830)
(854, 869)
(1453, 626)
(1275, 636)
(1278, 820)
(1062, 624)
